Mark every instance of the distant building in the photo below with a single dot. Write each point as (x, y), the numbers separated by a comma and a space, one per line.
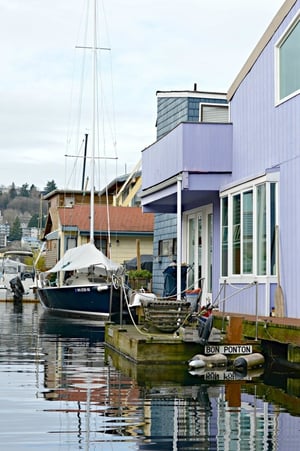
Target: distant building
(4, 233)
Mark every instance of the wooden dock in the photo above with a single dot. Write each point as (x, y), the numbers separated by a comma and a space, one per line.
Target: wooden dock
(141, 346)
(278, 337)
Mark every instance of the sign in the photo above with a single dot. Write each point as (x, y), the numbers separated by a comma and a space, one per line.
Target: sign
(224, 376)
(228, 349)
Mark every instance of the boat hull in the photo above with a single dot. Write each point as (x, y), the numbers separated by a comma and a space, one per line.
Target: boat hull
(101, 302)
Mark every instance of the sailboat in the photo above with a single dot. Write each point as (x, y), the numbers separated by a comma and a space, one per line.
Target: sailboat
(88, 283)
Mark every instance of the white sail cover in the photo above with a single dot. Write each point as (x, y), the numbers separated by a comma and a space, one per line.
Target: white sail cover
(82, 257)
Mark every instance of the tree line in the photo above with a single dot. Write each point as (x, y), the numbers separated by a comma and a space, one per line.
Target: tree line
(23, 205)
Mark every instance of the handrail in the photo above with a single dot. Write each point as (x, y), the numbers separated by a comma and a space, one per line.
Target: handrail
(239, 290)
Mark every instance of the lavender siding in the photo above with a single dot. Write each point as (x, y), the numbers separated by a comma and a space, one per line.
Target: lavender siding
(260, 137)
(191, 147)
(266, 136)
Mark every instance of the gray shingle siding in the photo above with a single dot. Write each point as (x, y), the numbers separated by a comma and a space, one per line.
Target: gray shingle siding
(171, 111)
(166, 227)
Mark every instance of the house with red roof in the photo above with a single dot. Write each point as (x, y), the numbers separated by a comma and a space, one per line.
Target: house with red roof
(119, 232)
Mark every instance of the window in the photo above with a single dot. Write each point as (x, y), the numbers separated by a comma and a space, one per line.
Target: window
(236, 234)
(224, 235)
(211, 112)
(248, 232)
(101, 244)
(261, 229)
(248, 219)
(288, 61)
(167, 247)
(71, 242)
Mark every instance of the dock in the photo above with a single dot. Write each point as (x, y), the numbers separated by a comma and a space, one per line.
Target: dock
(140, 346)
(276, 337)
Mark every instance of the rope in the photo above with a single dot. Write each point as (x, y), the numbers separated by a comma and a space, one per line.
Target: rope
(150, 335)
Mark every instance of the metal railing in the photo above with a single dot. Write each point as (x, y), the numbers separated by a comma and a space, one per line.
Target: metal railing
(225, 298)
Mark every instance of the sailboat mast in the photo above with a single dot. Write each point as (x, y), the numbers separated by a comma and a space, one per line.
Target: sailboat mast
(84, 161)
(92, 200)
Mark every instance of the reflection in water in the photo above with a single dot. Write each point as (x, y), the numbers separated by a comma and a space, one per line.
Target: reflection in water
(58, 374)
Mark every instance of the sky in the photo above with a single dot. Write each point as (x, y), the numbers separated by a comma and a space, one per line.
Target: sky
(154, 45)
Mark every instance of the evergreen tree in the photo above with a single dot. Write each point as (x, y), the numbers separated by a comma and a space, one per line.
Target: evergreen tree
(33, 191)
(16, 230)
(13, 192)
(51, 186)
(24, 190)
(34, 221)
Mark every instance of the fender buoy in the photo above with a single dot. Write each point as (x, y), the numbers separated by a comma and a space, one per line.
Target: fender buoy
(214, 360)
(246, 362)
(196, 363)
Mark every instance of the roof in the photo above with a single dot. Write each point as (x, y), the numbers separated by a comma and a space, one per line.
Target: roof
(122, 219)
(195, 93)
(262, 43)
(118, 182)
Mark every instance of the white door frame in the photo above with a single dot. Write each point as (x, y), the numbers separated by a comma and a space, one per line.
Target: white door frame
(200, 246)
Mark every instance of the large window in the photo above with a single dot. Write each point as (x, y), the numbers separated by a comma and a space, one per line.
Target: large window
(288, 61)
(248, 220)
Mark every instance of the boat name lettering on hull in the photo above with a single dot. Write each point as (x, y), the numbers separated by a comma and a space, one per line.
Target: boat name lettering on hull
(82, 290)
(228, 349)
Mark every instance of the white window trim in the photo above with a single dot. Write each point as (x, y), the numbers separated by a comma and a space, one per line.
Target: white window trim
(240, 189)
(212, 104)
(287, 31)
(203, 211)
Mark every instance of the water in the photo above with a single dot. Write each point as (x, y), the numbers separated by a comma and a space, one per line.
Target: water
(61, 389)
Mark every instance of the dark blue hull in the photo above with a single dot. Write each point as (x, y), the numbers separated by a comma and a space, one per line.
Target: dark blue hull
(92, 301)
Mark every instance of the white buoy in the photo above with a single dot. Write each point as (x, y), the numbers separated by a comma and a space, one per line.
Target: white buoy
(197, 363)
(207, 360)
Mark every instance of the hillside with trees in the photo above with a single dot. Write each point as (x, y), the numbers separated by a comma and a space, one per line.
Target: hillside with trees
(22, 208)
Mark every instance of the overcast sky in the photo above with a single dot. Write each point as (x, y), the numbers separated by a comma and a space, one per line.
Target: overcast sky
(156, 45)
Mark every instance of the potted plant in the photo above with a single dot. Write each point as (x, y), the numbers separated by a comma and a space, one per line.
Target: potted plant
(139, 278)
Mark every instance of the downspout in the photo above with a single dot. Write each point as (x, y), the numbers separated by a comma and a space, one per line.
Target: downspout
(179, 208)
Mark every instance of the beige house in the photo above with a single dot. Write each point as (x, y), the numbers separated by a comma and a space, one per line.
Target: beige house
(120, 232)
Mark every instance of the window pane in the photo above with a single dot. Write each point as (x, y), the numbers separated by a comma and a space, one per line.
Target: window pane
(224, 269)
(272, 227)
(236, 234)
(210, 250)
(191, 247)
(261, 230)
(248, 232)
(290, 63)
(71, 242)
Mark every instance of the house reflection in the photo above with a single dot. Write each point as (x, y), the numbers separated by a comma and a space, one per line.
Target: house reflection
(154, 406)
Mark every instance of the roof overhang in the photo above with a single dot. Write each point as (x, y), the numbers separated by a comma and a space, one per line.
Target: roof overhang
(196, 189)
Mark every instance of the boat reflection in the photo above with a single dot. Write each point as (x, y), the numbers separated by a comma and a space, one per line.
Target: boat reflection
(62, 326)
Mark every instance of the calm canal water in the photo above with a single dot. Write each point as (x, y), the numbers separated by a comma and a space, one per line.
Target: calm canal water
(61, 389)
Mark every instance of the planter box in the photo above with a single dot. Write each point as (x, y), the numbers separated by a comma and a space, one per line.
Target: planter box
(139, 282)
